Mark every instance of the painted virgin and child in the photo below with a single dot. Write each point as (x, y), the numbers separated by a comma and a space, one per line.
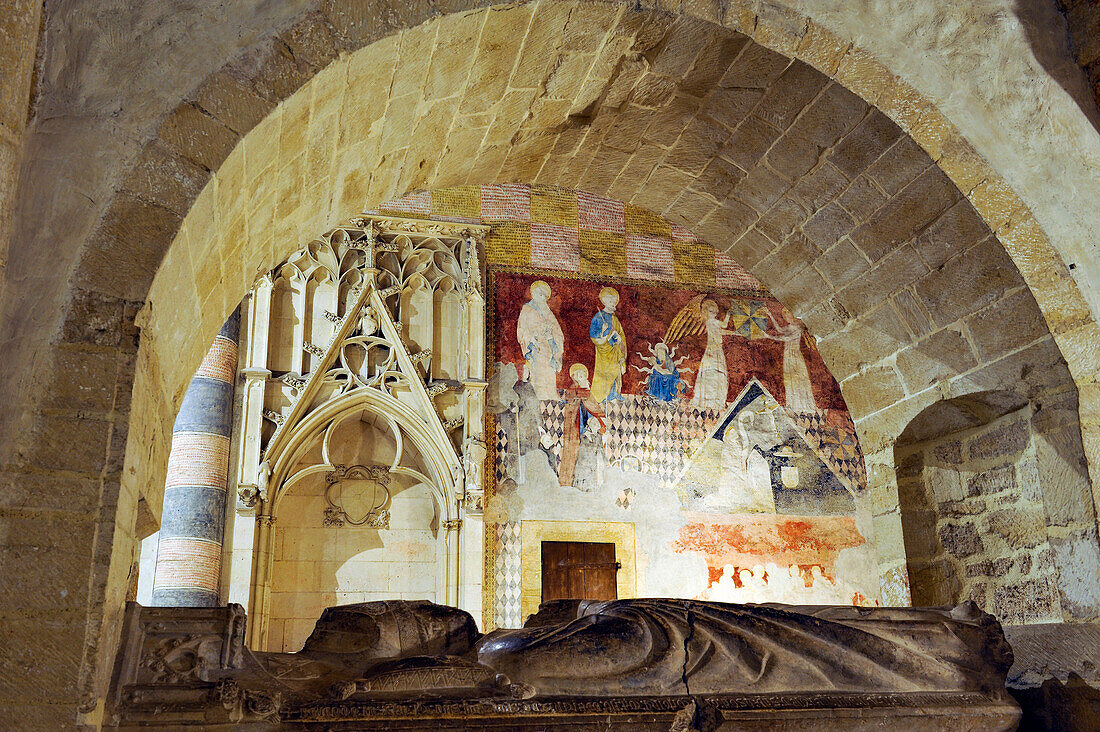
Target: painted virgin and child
(663, 381)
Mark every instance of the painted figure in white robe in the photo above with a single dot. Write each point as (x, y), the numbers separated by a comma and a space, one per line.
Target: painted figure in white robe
(542, 342)
(796, 376)
(713, 381)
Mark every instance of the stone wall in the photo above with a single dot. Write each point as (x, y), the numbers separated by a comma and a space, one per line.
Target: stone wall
(19, 31)
(975, 529)
(983, 516)
(118, 184)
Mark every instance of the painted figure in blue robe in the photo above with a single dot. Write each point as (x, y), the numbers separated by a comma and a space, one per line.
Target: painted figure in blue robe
(664, 382)
(609, 340)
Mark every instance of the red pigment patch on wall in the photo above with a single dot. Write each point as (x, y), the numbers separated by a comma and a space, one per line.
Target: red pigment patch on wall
(748, 540)
(713, 575)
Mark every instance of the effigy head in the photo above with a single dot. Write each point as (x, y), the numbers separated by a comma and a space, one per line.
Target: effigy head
(392, 629)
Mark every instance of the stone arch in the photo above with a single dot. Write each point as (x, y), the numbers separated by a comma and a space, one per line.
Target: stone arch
(195, 139)
(894, 270)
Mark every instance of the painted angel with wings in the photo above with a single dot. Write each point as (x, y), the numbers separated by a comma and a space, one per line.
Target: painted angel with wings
(712, 382)
(663, 381)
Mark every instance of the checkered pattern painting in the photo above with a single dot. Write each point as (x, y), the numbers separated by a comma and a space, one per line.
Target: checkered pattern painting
(575, 231)
(835, 444)
(642, 434)
(507, 578)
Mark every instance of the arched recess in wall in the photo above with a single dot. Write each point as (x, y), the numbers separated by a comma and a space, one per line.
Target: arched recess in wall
(348, 475)
(905, 286)
(931, 268)
(712, 433)
(163, 375)
(995, 509)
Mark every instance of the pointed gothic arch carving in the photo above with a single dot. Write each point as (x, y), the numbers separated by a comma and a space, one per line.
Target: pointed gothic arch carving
(348, 348)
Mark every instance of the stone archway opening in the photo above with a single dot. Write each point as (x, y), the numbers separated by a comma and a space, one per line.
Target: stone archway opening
(991, 503)
(889, 343)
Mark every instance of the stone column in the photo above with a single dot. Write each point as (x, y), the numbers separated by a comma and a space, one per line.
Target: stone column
(192, 526)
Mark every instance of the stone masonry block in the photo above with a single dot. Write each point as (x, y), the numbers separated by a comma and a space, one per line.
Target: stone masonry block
(936, 358)
(164, 177)
(918, 528)
(729, 107)
(756, 68)
(961, 540)
(752, 138)
(1006, 440)
(994, 480)
(899, 165)
(862, 199)
(897, 270)
(828, 226)
(1077, 558)
(1025, 602)
(864, 144)
(907, 213)
(781, 219)
(1063, 477)
(834, 113)
(1008, 324)
(968, 282)
(1019, 529)
(818, 187)
(233, 100)
(872, 389)
(795, 155)
(760, 189)
(142, 229)
(956, 230)
(795, 88)
(197, 136)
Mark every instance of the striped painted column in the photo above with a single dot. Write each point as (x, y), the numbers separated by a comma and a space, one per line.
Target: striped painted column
(189, 555)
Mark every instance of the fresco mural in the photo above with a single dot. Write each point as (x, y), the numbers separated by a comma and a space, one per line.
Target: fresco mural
(637, 375)
(716, 398)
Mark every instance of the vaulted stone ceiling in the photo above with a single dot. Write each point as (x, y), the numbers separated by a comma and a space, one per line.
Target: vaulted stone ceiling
(824, 198)
(678, 114)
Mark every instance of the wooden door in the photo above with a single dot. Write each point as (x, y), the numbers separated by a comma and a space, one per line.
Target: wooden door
(578, 570)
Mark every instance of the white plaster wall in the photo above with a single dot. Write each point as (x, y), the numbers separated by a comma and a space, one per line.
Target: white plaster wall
(147, 566)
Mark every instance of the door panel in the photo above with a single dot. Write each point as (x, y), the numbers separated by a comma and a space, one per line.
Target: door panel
(574, 570)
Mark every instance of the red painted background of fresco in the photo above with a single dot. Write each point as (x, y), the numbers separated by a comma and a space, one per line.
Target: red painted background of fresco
(645, 313)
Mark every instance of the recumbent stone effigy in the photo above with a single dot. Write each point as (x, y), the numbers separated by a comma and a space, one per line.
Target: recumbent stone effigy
(639, 664)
